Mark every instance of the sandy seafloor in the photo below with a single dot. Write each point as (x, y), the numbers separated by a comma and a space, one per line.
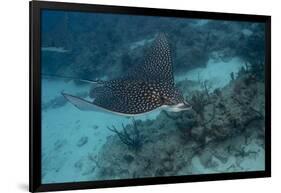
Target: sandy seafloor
(69, 135)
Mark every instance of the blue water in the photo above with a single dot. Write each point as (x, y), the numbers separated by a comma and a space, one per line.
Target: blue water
(105, 46)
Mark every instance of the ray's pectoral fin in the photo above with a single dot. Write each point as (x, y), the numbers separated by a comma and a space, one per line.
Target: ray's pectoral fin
(80, 103)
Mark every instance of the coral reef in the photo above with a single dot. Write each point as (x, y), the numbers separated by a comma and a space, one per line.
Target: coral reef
(219, 135)
(102, 45)
(132, 138)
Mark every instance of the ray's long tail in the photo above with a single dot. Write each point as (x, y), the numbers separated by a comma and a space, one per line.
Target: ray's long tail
(71, 78)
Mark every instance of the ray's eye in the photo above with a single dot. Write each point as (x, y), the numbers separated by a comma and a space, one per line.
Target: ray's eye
(163, 99)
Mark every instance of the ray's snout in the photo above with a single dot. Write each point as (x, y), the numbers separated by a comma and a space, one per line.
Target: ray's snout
(186, 105)
(183, 106)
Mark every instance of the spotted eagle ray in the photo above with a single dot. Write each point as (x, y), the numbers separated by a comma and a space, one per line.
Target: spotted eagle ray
(145, 88)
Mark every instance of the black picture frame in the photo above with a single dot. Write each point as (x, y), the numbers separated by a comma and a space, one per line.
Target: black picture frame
(35, 184)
